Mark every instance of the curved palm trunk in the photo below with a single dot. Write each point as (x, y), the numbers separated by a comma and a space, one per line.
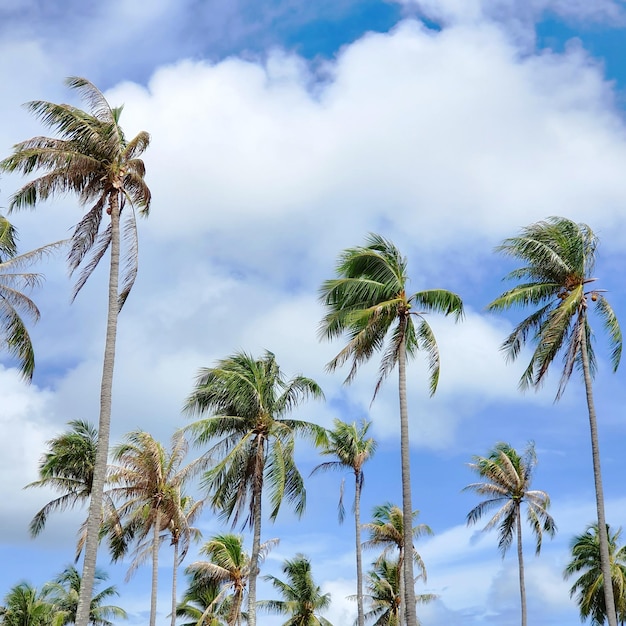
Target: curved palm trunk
(520, 560)
(407, 506)
(357, 532)
(605, 563)
(174, 583)
(94, 520)
(256, 534)
(156, 544)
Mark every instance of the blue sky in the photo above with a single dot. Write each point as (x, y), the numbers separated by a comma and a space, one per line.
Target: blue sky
(282, 133)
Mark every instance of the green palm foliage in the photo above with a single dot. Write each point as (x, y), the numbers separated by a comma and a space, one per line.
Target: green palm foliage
(349, 444)
(386, 531)
(146, 486)
(200, 605)
(369, 302)
(25, 605)
(63, 592)
(67, 468)
(91, 157)
(507, 478)
(556, 279)
(227, 571)
(589, 586)
(383, 585)
(302, 600)
(253, 441)
(14, 303)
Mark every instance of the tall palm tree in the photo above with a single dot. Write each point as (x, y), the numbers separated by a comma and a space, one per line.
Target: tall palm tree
(14, 303)
(507, 479)
(383, 593)
(92, 158)
(67, 467)
(588, 587)
(303, 600)
(25, 605)
(386, 531)
(352, 448)
(146, 486)
(558, 257)
(63, 593)
(230, 569)
(249, 400)
(369, 302)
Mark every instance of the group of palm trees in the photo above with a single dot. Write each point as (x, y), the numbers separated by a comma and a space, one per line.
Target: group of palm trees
(242, 403)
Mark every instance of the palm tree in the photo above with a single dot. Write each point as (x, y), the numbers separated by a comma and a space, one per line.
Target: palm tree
(146, 485)
(67, 467)
(303, 600)
(63, 593)
(92, 158)
(249, 400)
(507, 479)
(369, 302)
(386, 531)
(14, 304)
(559, 258)
(588, 587)
(25, 605)
(200, 605)
(383, 592)
(229, 570)
(348, 443)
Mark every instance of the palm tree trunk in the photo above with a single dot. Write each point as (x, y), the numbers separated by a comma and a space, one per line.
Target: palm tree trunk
(94, 520)
(407, 506)
(357, 532)
(401, 611)
(156, 544)
(520, 560)
(605, 563)
(174, 582)
(256, 534)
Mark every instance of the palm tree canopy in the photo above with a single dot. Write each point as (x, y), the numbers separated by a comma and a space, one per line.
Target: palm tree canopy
(508, 477)
(302, 600)
(15, 305)
(369, 302)
(559, 257)
(386, 531)
(589, 586)
(349, 444)
(249, 400)
(25, 605)
(67, 468)
(92, 158)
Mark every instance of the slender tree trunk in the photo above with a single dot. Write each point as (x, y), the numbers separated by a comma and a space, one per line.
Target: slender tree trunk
(94, 520)
(407, 505)
(401, 612)
(256, 534)
(357, 532)
(605, 562)
(174, 583)
(156, 544)
(520, 560)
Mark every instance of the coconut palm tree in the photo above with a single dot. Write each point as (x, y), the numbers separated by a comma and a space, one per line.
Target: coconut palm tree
(507, 478)
(383, 593)
(63, 593)
(25, 605)
(14, 303)
(369, 302)
(67, 467)
(248, 401)
(588, 587)
(386, 531)
(92, 158)
(303, 600)
(349, 444)
(556, 279)
(146, 486)
(229, 570)
(199, 604)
